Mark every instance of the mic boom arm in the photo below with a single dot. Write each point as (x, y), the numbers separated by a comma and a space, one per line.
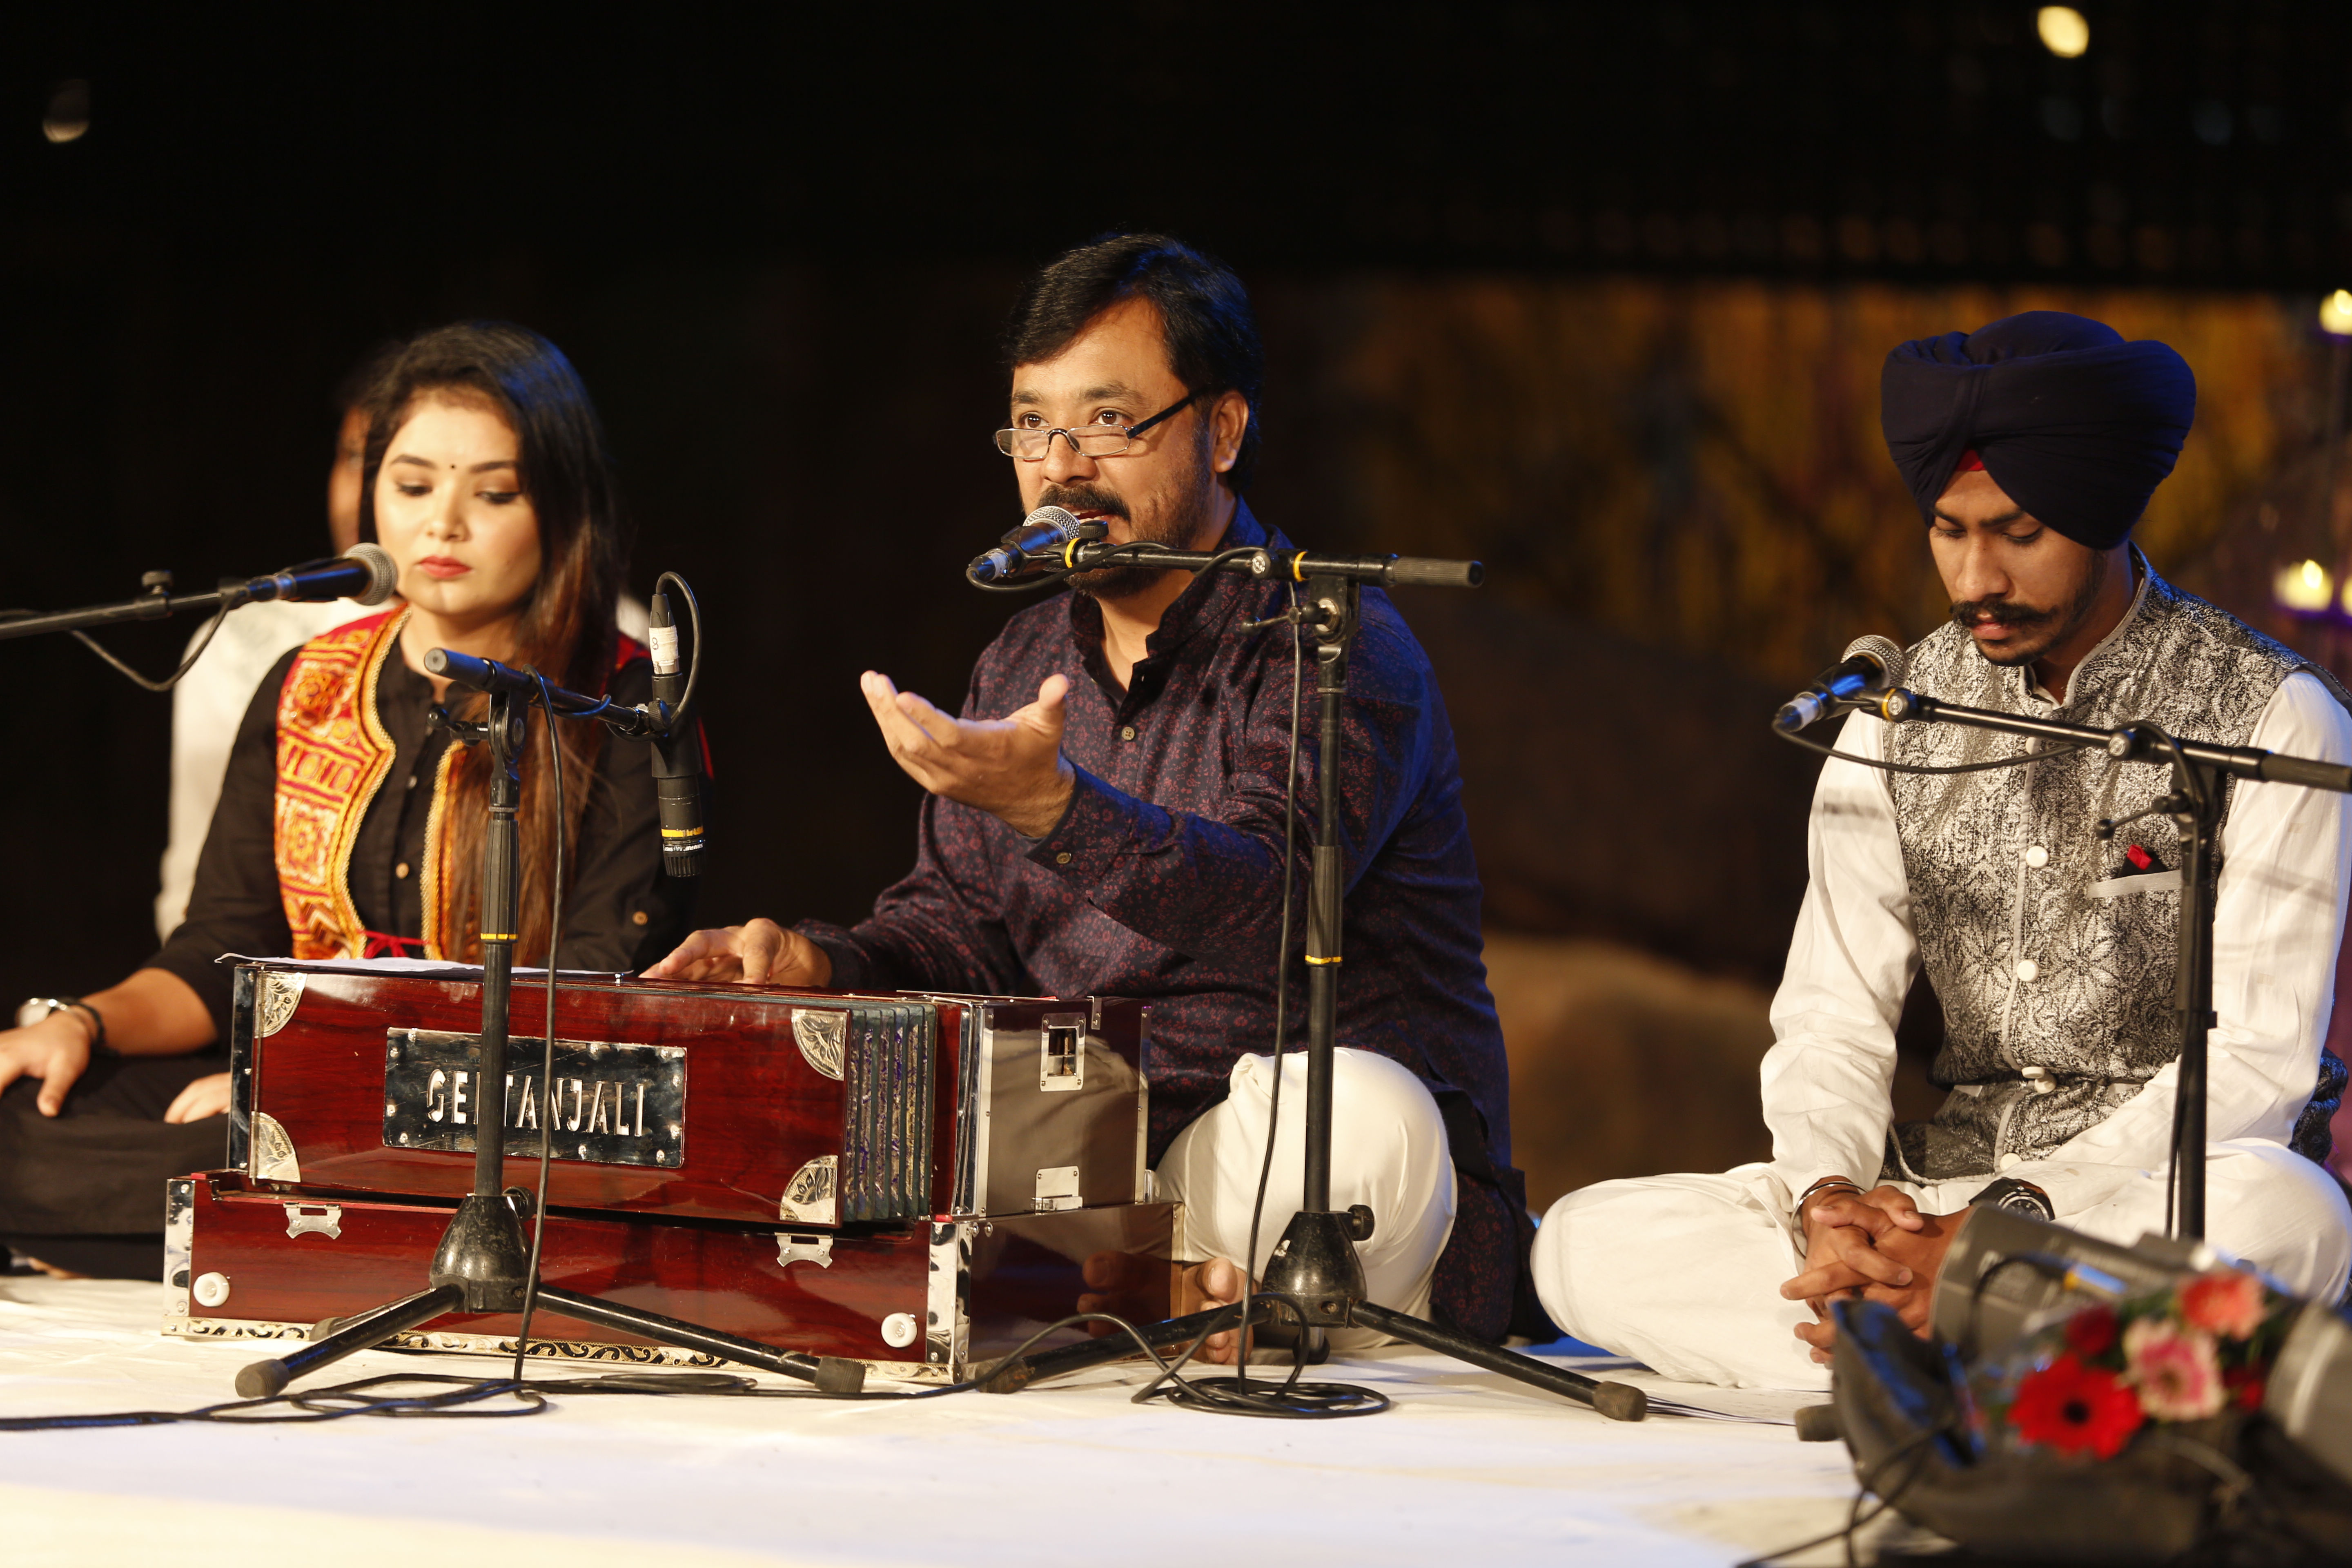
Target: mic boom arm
(158, 603)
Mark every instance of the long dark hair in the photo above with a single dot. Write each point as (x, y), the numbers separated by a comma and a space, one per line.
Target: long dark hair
(567, 630)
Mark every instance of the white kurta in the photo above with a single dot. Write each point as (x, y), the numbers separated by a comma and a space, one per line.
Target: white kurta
(1682, 1272)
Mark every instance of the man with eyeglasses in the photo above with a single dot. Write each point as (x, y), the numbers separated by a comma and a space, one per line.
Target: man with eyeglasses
(1106, 816)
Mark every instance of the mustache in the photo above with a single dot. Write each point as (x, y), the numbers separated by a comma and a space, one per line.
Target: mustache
(1084, 497)
(2001, 612)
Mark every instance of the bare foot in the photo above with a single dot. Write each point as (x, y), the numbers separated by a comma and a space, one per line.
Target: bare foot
(1215, 1283)
(52, 1270)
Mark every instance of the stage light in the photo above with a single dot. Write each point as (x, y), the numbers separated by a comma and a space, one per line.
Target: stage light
(68, 115)
(2064, 31)
(2304, 587)
(2336, 313)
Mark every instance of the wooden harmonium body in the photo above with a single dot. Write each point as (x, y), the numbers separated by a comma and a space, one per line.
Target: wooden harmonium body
(924, 1302)
(756, 1105)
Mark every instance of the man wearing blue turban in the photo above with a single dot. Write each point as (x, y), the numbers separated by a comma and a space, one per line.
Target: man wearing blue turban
(2031, 446)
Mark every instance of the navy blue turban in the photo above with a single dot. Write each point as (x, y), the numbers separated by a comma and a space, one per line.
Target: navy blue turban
(2075, 425)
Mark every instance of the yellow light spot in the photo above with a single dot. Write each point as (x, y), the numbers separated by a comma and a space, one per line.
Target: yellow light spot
(2064, 31)
(2336, 313)
(2304, 587)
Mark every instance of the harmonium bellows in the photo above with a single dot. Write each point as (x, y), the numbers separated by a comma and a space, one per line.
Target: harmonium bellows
(917, 1181)
(759, 1104)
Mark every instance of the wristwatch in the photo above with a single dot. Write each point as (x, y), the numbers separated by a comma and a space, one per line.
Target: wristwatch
(2017, 1197)
(36, 1008)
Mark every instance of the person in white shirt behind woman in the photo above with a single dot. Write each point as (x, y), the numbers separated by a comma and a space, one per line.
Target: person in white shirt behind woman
(2031, 447)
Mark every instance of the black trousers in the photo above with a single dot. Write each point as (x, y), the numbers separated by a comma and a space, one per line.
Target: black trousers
(83, 1190)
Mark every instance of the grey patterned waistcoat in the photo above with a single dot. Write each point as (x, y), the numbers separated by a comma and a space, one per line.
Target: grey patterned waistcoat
(2036, 965)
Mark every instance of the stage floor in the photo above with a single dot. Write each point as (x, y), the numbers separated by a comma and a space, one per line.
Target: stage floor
(1468, 1469)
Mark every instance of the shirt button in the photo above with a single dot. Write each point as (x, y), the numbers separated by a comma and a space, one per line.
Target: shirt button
(401, 870)
(2028, 970)
(2009, 1162)
(2037, 856)
(411, 781)
(637, 917)
(1126, 732)
(1062, 858)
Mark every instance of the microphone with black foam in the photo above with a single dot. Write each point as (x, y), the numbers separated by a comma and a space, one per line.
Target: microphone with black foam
(678, 752)
(365, 574)
(1872, 665)
(1041, 538)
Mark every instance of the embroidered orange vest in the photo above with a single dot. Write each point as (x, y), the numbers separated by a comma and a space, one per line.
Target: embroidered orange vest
(332, 755)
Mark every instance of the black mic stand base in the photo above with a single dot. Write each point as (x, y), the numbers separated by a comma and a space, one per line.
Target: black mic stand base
(1317, 1252)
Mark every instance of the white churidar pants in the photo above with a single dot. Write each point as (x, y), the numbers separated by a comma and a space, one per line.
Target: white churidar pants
(1388, 1150)
(1683, 1273)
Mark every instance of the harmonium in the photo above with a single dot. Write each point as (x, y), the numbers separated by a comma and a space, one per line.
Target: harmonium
(916, 1182)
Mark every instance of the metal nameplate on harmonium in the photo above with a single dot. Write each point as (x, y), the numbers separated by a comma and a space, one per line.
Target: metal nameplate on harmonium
(611, 1104)
(816, 1109)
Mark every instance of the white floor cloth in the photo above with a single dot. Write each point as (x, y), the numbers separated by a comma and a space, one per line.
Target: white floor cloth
(1468, 1468)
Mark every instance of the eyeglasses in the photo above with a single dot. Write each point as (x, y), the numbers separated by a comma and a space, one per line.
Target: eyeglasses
(1091, 441)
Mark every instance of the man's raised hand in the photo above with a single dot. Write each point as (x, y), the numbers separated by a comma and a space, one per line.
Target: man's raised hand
(758, 952)
(1012, 767)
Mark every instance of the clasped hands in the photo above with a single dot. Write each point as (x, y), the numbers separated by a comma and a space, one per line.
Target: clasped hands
(1875, 1246)
(1012, 768)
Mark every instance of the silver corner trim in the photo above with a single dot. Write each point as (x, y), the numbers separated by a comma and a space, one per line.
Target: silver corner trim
(813, 1194)
(272, 1157)
(277, 996)
(822, 1036)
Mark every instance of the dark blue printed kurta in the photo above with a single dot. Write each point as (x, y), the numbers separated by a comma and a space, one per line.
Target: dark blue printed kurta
(1163, 880)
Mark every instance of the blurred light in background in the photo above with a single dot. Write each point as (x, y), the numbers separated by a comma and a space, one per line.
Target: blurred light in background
(2304, 587)
(2336, 313)
(2064, 31)
(68, 112)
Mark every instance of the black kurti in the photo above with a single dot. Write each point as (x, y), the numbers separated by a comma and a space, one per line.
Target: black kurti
(84, 1189)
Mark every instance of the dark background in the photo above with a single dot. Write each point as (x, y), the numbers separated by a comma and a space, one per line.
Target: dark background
(779, 250)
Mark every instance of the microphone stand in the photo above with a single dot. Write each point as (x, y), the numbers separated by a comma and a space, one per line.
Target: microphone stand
(2194, 805)
(156, 603)
(1315, 1276)
(483, 1264)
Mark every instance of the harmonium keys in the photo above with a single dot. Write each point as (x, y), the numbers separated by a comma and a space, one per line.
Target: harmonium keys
(757, 1104)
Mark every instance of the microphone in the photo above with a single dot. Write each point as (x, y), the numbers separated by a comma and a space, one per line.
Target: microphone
(677, 752)
(365, 573)
(1872, 664)
(1041, 536)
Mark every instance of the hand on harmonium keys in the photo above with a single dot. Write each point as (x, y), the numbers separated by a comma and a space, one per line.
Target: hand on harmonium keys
(758, 952)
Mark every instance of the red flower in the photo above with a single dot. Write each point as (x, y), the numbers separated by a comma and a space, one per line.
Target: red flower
(2075, 1409)
(2091, 1332)
(2224, 1302)
(2245, 1385)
